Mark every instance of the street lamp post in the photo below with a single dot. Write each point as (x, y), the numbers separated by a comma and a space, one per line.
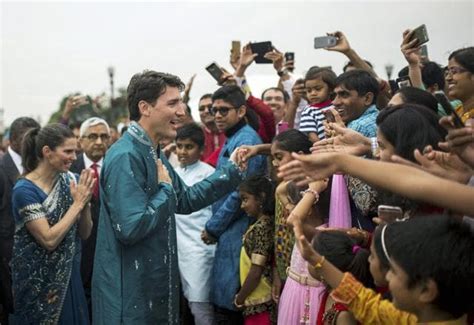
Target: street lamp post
(389, 70)
(111, 72)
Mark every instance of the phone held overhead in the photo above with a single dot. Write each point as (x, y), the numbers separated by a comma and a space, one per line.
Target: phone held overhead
(324, 42)
(261, 48)
(235, 50)
(215, 71)
(421, 34)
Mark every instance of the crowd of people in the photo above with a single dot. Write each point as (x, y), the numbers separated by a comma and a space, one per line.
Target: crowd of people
(331, 199)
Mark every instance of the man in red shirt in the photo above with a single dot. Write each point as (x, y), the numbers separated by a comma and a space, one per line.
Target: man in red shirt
(213, 138)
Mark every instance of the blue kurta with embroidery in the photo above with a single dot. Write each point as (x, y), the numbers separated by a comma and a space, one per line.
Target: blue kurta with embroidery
(136, 275)
(229, 223)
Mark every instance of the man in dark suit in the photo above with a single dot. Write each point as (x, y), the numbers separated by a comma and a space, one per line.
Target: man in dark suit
(10, 169)
(94, 137)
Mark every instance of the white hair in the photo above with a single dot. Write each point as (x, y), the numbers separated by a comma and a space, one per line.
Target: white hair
(92, 121)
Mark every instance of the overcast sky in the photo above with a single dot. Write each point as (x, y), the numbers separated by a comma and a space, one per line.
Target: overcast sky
(50, 49)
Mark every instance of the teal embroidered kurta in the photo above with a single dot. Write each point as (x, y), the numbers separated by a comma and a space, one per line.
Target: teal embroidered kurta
(136, 275)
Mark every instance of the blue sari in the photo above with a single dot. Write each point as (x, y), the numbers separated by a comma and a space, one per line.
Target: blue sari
(47, 285)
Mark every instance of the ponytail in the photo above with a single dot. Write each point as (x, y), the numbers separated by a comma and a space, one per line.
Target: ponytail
(52, 135)
(29, 155)
(343, 252)
(359, 266)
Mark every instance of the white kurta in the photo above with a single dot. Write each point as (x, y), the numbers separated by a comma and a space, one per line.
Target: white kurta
(195, 258)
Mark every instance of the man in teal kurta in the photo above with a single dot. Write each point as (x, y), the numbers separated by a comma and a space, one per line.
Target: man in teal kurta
(136, 276)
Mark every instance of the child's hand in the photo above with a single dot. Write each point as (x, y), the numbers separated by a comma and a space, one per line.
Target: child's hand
(276, 286)
(319, 186)
(207, 239)
(247, 152)
(238, 158)
(306, 250)
(239, 303)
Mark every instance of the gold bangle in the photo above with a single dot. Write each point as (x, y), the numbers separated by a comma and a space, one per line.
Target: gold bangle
(319, 264)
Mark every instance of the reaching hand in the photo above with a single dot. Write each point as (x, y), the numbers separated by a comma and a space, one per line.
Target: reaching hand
(72, 103)
(82, 191)
(227, 79)
(298, 90)
(187, 88)
(246, 56)
(409, 48)
(306, 250)
(459, 140)
(163, 174)
(342, 44)
(234, 60)
(328, 130)
(277, 59)
(169, 148)
(236, 158)
(442, 164)
(310, 167)
(247, 152)
(346, 141)
(319, 185)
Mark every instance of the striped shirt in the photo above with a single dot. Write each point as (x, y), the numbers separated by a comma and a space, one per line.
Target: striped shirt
(312, 119)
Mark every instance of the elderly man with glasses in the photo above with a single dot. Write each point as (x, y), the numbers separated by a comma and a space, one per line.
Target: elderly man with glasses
(94, 138)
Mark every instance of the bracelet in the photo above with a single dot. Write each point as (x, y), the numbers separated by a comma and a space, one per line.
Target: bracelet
(319, 264)
(374, 147)
(236, 304)
(316, 194)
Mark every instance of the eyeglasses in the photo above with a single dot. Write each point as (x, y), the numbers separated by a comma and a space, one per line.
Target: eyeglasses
(276, 98)
(94, 136)
(223, 111)
(454, 70)
(204, 107)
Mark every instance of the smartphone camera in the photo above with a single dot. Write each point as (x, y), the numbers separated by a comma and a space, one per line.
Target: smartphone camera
(215, 71)
(403, 83)
(289, 56)
(324, 41)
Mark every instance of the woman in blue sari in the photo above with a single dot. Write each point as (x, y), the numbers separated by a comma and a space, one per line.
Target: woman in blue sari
(51, 210)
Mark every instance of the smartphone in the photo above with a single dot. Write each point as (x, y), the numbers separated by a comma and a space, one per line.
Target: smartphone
(421, 34)
(235, 50)
(396, 85)
(324, 41)
(261, 48)
(444, 102)
(215, 71)
(80, 100)
(329, 116)
(389, 213)
(424, 51)
(403, 82)
(290, 56)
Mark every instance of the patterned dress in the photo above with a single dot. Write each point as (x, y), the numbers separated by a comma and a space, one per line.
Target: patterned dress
(259, 240)
(284, 239)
